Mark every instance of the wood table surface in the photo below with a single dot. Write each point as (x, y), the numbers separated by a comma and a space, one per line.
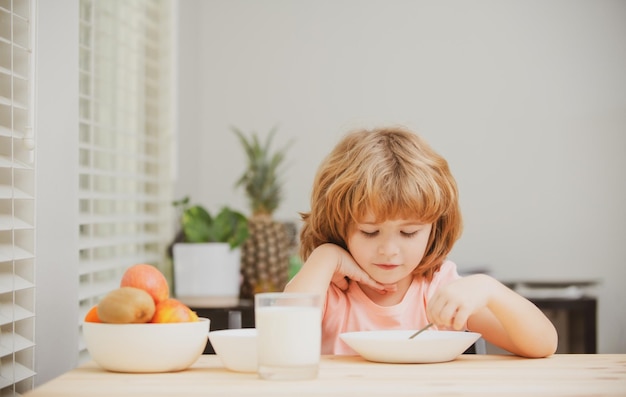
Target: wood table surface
(468, 375)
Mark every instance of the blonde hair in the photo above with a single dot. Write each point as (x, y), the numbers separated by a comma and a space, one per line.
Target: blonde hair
(390, 173)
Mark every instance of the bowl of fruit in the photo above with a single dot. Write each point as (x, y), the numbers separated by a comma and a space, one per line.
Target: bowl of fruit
(138, 327)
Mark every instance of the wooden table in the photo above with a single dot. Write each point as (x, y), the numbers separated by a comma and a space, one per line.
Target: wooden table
(469, 375)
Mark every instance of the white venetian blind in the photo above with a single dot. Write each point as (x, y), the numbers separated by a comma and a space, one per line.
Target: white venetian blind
(17, 192)
(125, 142)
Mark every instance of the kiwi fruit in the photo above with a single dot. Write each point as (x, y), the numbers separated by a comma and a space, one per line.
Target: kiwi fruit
(126, 305)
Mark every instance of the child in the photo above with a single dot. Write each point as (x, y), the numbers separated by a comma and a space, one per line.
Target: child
(384, 216)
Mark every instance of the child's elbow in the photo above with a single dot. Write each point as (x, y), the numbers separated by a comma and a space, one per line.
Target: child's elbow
(543, 347)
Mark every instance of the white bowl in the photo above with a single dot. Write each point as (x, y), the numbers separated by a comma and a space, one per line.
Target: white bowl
(236, 348)
(394, 346)
(162, 347)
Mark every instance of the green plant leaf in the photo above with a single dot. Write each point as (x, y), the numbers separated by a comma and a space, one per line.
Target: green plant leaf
(231, 226)
(196, 223)
(260, 179)
(198, 226)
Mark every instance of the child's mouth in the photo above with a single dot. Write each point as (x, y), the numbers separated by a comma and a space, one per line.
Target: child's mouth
(386, 266)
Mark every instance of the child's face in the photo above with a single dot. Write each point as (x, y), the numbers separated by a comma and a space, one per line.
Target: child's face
(388, 251)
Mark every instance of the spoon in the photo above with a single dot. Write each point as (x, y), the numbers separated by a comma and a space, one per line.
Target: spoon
(421, 330)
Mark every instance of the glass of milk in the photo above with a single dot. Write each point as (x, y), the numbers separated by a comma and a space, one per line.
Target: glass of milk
(289, 334)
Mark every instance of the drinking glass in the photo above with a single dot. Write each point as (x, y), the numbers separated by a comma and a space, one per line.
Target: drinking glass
(289, 329)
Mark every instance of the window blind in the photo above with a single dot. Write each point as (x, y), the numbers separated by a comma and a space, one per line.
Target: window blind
(17, 192)
(125, 142)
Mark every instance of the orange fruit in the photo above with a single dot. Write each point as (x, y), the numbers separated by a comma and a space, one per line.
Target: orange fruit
(173, 311)
(92, 315)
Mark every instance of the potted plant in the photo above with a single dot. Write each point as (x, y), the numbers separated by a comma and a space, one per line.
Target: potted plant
(207, 254)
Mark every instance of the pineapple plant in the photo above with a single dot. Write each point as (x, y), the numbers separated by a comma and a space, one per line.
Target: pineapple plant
(265, 253)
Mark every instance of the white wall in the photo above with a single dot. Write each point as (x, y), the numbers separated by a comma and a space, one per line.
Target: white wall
(526, 99)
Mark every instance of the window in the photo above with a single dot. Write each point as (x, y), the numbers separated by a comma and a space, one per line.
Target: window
(17, 193)
(125, 143)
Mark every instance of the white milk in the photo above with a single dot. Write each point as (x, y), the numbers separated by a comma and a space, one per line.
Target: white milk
(289, 336)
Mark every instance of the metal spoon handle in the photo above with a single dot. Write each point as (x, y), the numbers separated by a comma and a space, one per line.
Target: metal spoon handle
(421, 330)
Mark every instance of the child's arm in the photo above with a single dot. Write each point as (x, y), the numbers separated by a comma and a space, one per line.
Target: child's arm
(328, 264)
(502, 316)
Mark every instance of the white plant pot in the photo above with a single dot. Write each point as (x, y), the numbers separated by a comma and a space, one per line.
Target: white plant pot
(207, 273)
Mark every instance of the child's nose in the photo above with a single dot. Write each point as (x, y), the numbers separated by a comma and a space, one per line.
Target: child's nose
(388, 248)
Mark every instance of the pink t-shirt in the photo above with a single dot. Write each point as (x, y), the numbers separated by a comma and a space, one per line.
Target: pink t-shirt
(352, 310)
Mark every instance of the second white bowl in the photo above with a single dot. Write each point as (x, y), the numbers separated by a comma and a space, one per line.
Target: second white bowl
(236, 348)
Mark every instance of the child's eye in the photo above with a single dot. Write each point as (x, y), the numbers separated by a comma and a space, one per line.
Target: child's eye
(369, 234)
(409, 234)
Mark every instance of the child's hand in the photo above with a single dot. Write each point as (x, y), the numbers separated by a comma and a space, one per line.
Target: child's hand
(452, 304)
(502, 316)
(329, 263)
(347, 268)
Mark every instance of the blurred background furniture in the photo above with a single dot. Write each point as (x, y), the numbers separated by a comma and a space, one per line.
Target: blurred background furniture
(575, 320)
(571, 305)
(572, 308)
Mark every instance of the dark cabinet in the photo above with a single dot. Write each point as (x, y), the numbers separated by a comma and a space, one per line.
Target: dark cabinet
(578, 322)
